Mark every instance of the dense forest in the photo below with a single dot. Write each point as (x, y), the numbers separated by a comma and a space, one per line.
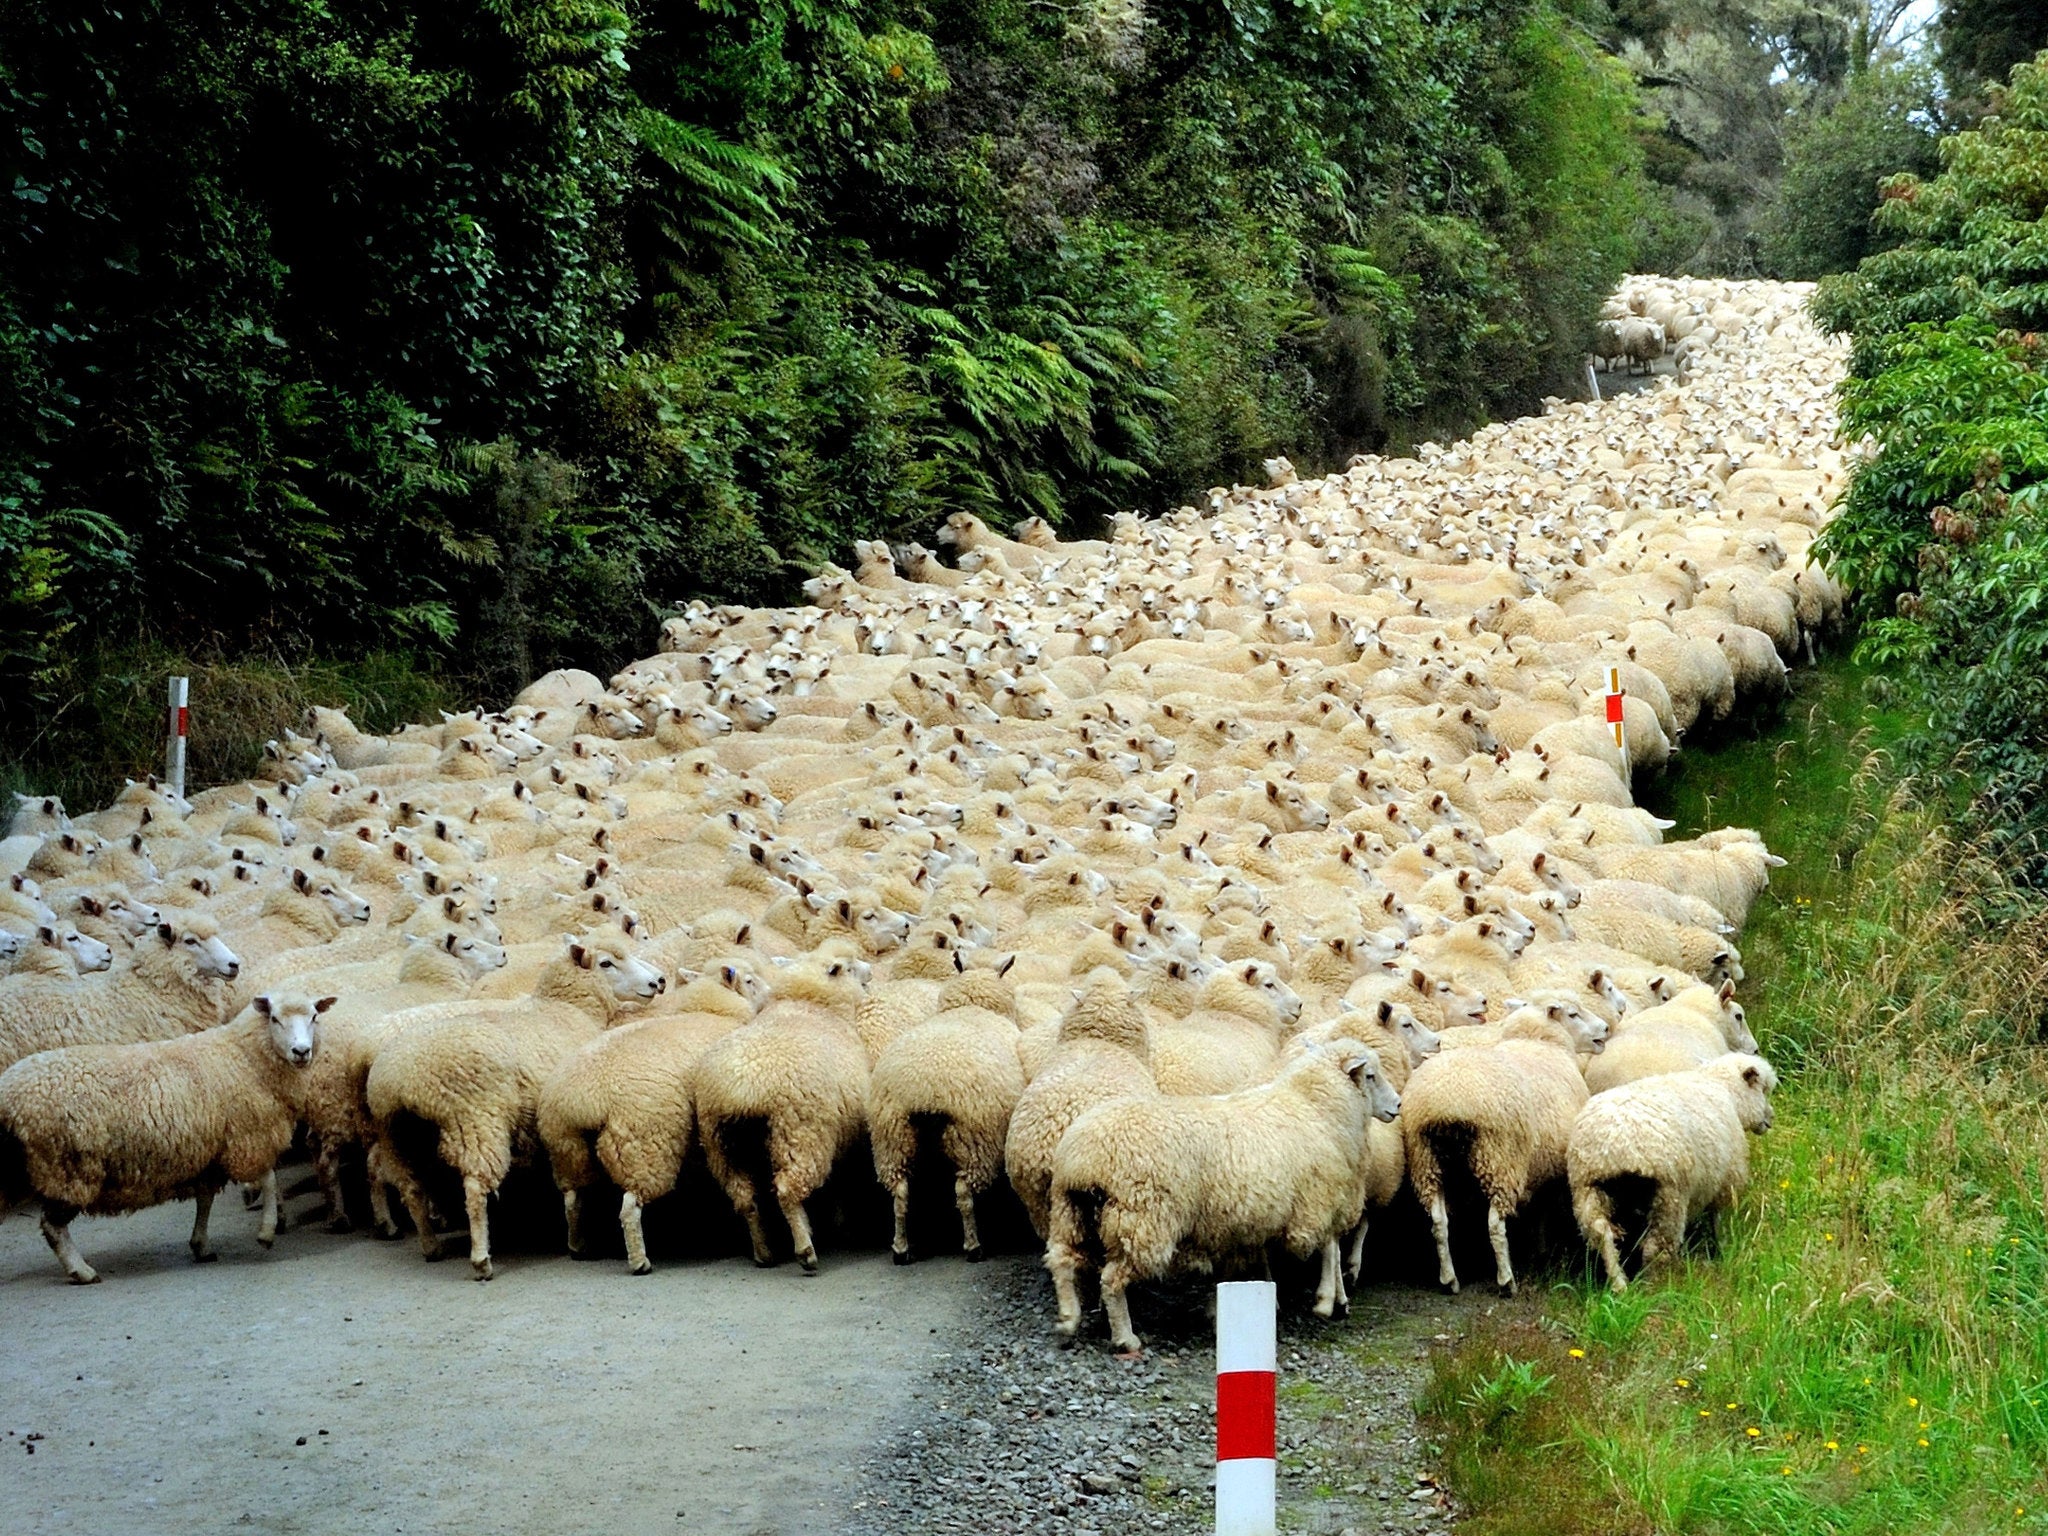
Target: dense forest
(397, 352)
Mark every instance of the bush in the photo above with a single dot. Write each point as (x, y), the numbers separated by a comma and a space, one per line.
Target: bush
(1886, 123)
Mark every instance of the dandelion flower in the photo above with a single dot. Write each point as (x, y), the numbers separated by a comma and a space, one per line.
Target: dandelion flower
(1683, 1382)
(1923, 1444)
(1833, 1446)
(1912, 1402)
(1706, 1413)
(1733, 1406)
(1754, 1433)
(1576, 1354)
(1827, 1237)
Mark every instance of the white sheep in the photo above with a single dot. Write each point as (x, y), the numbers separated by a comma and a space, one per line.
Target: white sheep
(1665, 1150)
(175, 984)
(105, 1129)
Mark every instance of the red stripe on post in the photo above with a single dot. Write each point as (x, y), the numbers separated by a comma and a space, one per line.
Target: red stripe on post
(1245, 1412)
(1614, 709)
(184, 712)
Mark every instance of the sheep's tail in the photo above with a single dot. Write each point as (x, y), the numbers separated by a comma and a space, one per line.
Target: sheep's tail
(15, 1188)
(1442, 1149)
(1073, 1228)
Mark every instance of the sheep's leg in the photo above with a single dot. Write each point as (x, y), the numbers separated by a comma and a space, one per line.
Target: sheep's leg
(201, 1253)
(1116, 1279)
(572, 1217)
(636, 1239)
(57, 1221)
(899, 1197)
(266, 1228)
(327, 1168)
(1064, 1263)
(1354, 1260)
(1596, 1219)
(476, 1197)
(1665, 1233)
(970, 1230)
(1330, 1288)
(1440, 1224)
(799, 1221)
(1497, 1233)
(414, 1197)
(381, 1220)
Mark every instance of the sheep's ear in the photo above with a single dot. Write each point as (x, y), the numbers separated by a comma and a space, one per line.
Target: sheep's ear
(1753, 1076)
(745, 930)
(321, 1005)
(448, 942)
(1727, 993)
(580, 955)
(1004, 968)
(1386, 1013)
(167, 933)
(90, 907)
(1251, 973)
(301, 881)
(261, 1003)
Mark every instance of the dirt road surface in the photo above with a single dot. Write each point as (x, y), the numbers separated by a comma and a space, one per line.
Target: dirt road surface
(340, 1384)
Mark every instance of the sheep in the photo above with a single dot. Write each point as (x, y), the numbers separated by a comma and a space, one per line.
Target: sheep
(1145, 1181)
(1694, 1026)
(620, 1104)
(798, 1076)
(106, 1129)
(175, 985)
(1102, 1051)
(461, 1081)
(957, 1074)
(1673, 1147)
(1504, 1113)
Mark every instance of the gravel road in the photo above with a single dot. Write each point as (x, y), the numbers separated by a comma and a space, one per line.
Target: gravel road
(340, 1384)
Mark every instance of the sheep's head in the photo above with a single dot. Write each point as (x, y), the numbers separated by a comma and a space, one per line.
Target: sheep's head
(1751, 1080)
(87, 953)
(292, 1034)
(196, 938)
(1262, 977)
(344, 903)
(1361, 1064)
(630, 978)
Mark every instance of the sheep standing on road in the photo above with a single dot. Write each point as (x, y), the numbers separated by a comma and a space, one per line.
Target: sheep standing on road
(105, 1129)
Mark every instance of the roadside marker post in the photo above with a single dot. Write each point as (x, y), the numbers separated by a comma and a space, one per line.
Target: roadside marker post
(174, 748)
(1614, 718)
(1247, 1360)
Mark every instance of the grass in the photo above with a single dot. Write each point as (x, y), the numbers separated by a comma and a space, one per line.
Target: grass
(1868, 1350)
(109, 723)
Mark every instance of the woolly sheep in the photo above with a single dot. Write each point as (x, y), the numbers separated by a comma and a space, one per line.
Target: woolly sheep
(1672, 1148)
(105, 1129)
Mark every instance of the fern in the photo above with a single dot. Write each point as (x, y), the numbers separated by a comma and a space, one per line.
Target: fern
(719, 192)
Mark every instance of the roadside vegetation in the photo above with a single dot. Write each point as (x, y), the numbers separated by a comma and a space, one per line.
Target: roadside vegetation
(1866, 1351)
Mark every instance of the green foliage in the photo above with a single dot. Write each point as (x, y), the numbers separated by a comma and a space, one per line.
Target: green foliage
(1945, 532)
(1981, 40)
(1885, 124)
(487, 330)
(1860, 1350)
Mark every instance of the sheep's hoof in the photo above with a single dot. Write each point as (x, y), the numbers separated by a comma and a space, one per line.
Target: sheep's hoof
(579, 1251)
(89, 1277)
(481, 1269)
(204, 1256)
(433, 1253)
(267, 1243)
(1448, 1287)
(642, 1268)
(900, 1255)
(1131, 1351)
(765, 1261)
(341, 1224)
(1507, 1289)
(383, 1234)
(974, 1255)
(809, 1262)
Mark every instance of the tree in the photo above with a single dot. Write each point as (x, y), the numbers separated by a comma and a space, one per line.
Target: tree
(1981, 40)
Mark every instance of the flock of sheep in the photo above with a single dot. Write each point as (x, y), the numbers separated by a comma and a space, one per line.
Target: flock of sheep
(1216, 885)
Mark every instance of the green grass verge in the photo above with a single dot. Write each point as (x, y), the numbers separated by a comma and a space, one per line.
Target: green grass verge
(109, 723)
(1867, 1351)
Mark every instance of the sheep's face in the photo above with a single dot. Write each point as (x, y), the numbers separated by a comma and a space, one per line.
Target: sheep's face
(878, 929)
(1735, 1027)
(1362, 1066)
(1262, 978)
(477, 956)
(630, 978)
(10, 944)
(208, 955)
(87, 953)
(1421, 1041)
(738, 977)
(1752, 1080)
(138, 917)
(291, 1024)
(344, 903)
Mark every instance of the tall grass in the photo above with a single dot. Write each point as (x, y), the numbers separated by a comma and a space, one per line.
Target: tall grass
(110, 723)
(1868, 1350)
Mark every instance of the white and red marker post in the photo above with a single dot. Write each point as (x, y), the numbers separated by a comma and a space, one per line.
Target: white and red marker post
(1247, 1449)
(1614, 717)
(174, 747)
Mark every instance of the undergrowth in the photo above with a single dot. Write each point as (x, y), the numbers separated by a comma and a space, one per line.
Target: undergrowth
(1867, 1351)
